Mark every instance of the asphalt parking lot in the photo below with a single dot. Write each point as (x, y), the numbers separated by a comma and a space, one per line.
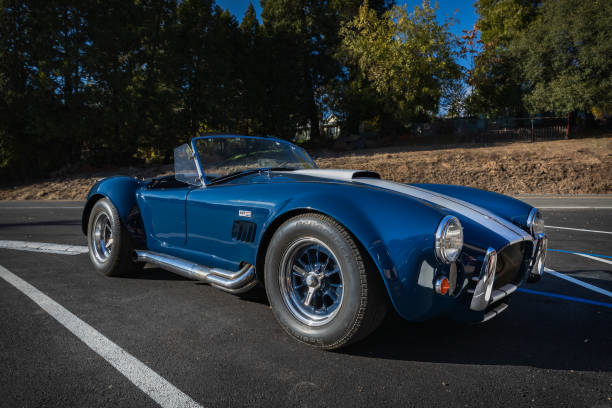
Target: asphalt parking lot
(204, 347)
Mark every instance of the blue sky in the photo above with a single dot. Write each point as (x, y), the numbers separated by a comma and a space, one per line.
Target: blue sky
(462, 10)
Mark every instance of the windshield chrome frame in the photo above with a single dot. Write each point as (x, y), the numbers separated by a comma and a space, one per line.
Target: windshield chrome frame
(197, 154)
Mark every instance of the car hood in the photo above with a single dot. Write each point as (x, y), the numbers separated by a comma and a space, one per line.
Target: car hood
(468, 213)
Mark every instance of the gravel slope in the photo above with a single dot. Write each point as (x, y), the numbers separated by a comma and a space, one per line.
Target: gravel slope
(578, 166)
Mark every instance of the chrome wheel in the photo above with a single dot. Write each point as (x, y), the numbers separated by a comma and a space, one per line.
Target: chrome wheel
(311, 281)
(102, 237)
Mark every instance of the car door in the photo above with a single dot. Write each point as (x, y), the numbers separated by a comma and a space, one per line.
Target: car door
(225, 221)
(162, 205)
(163, 211)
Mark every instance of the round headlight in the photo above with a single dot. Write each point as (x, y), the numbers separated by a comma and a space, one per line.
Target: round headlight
(535, 222)
(449, 239)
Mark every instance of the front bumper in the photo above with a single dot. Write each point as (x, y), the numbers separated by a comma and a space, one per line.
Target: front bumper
(480, 283)
(488, 297)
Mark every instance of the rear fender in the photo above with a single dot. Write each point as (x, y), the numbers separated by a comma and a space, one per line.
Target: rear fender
(121, 192)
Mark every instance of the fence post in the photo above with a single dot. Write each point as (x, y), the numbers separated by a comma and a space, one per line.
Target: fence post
(532, 133)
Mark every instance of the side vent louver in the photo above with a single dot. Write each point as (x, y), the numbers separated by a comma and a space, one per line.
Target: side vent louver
(244, 231)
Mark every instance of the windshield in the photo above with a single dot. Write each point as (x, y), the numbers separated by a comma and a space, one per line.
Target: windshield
(185, 169)
(222, 156)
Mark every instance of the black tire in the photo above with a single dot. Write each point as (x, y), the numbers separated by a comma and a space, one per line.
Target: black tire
(363, 304)
(118, 260)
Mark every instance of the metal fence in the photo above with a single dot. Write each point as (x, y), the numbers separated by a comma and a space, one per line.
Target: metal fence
(479, 130)
(462, 131)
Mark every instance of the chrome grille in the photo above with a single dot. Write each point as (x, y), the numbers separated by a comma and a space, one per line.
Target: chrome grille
(510, 264)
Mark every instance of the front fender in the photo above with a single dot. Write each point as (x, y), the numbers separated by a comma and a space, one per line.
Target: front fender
(397, 232)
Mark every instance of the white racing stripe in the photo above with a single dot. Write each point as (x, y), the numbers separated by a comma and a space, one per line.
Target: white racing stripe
(578, 282)
(147, 380)
(500, 226)
(579, 229)
(44, 247)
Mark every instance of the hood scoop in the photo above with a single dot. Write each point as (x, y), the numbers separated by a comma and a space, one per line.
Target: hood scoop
(338, 174)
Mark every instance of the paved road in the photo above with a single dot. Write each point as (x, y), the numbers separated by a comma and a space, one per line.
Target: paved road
(547, 349)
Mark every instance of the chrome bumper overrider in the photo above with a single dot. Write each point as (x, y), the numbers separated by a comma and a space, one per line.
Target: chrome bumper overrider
(484, 294)
(233, 282)
(484, 286)
(536, 268)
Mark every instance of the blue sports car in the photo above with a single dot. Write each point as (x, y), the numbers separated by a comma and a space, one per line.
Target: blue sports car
(333, 248)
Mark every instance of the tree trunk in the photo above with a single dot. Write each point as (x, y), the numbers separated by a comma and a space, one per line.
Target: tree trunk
(315, 132)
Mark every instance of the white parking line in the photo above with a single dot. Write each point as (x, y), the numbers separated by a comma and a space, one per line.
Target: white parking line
(579, 229)
(578, 282)
(595, 258)
(44, 247)
(147, 380)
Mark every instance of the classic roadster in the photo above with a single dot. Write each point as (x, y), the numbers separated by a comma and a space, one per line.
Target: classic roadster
(333, 248)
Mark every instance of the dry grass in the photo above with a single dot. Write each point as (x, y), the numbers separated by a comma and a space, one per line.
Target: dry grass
(578, 166)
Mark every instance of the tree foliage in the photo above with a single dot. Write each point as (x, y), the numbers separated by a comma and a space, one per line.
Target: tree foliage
(113, 81)
(120, 81)
(408, 57)
(495, 77)
(301, 40)
(566, 56)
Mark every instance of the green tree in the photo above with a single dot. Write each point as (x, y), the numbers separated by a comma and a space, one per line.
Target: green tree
(495, 78)
(251, 70)
(42, 79)
(300, 41)
(455, 96)
(116, 124)
(566, 56)
(208, 61)
(298, 37)
(114, 81)
(408, 58)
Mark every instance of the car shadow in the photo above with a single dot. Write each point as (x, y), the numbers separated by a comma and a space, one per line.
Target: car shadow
(256, 295)
(537, 332)
(534, 331)
(153, 273)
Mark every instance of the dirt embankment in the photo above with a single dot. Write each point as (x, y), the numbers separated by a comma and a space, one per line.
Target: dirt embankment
(582, 166)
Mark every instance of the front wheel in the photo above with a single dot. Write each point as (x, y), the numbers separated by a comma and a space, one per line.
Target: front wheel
(321, 289)
(110, 248)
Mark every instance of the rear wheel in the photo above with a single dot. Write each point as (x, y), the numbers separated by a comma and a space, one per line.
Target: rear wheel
(319, 285)
(110, 249)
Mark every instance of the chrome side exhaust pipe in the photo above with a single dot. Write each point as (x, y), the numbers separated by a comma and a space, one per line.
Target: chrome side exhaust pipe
(233, 282)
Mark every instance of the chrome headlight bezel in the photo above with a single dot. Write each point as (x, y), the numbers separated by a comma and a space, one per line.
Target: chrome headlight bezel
(449, 239)
(535, 222)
